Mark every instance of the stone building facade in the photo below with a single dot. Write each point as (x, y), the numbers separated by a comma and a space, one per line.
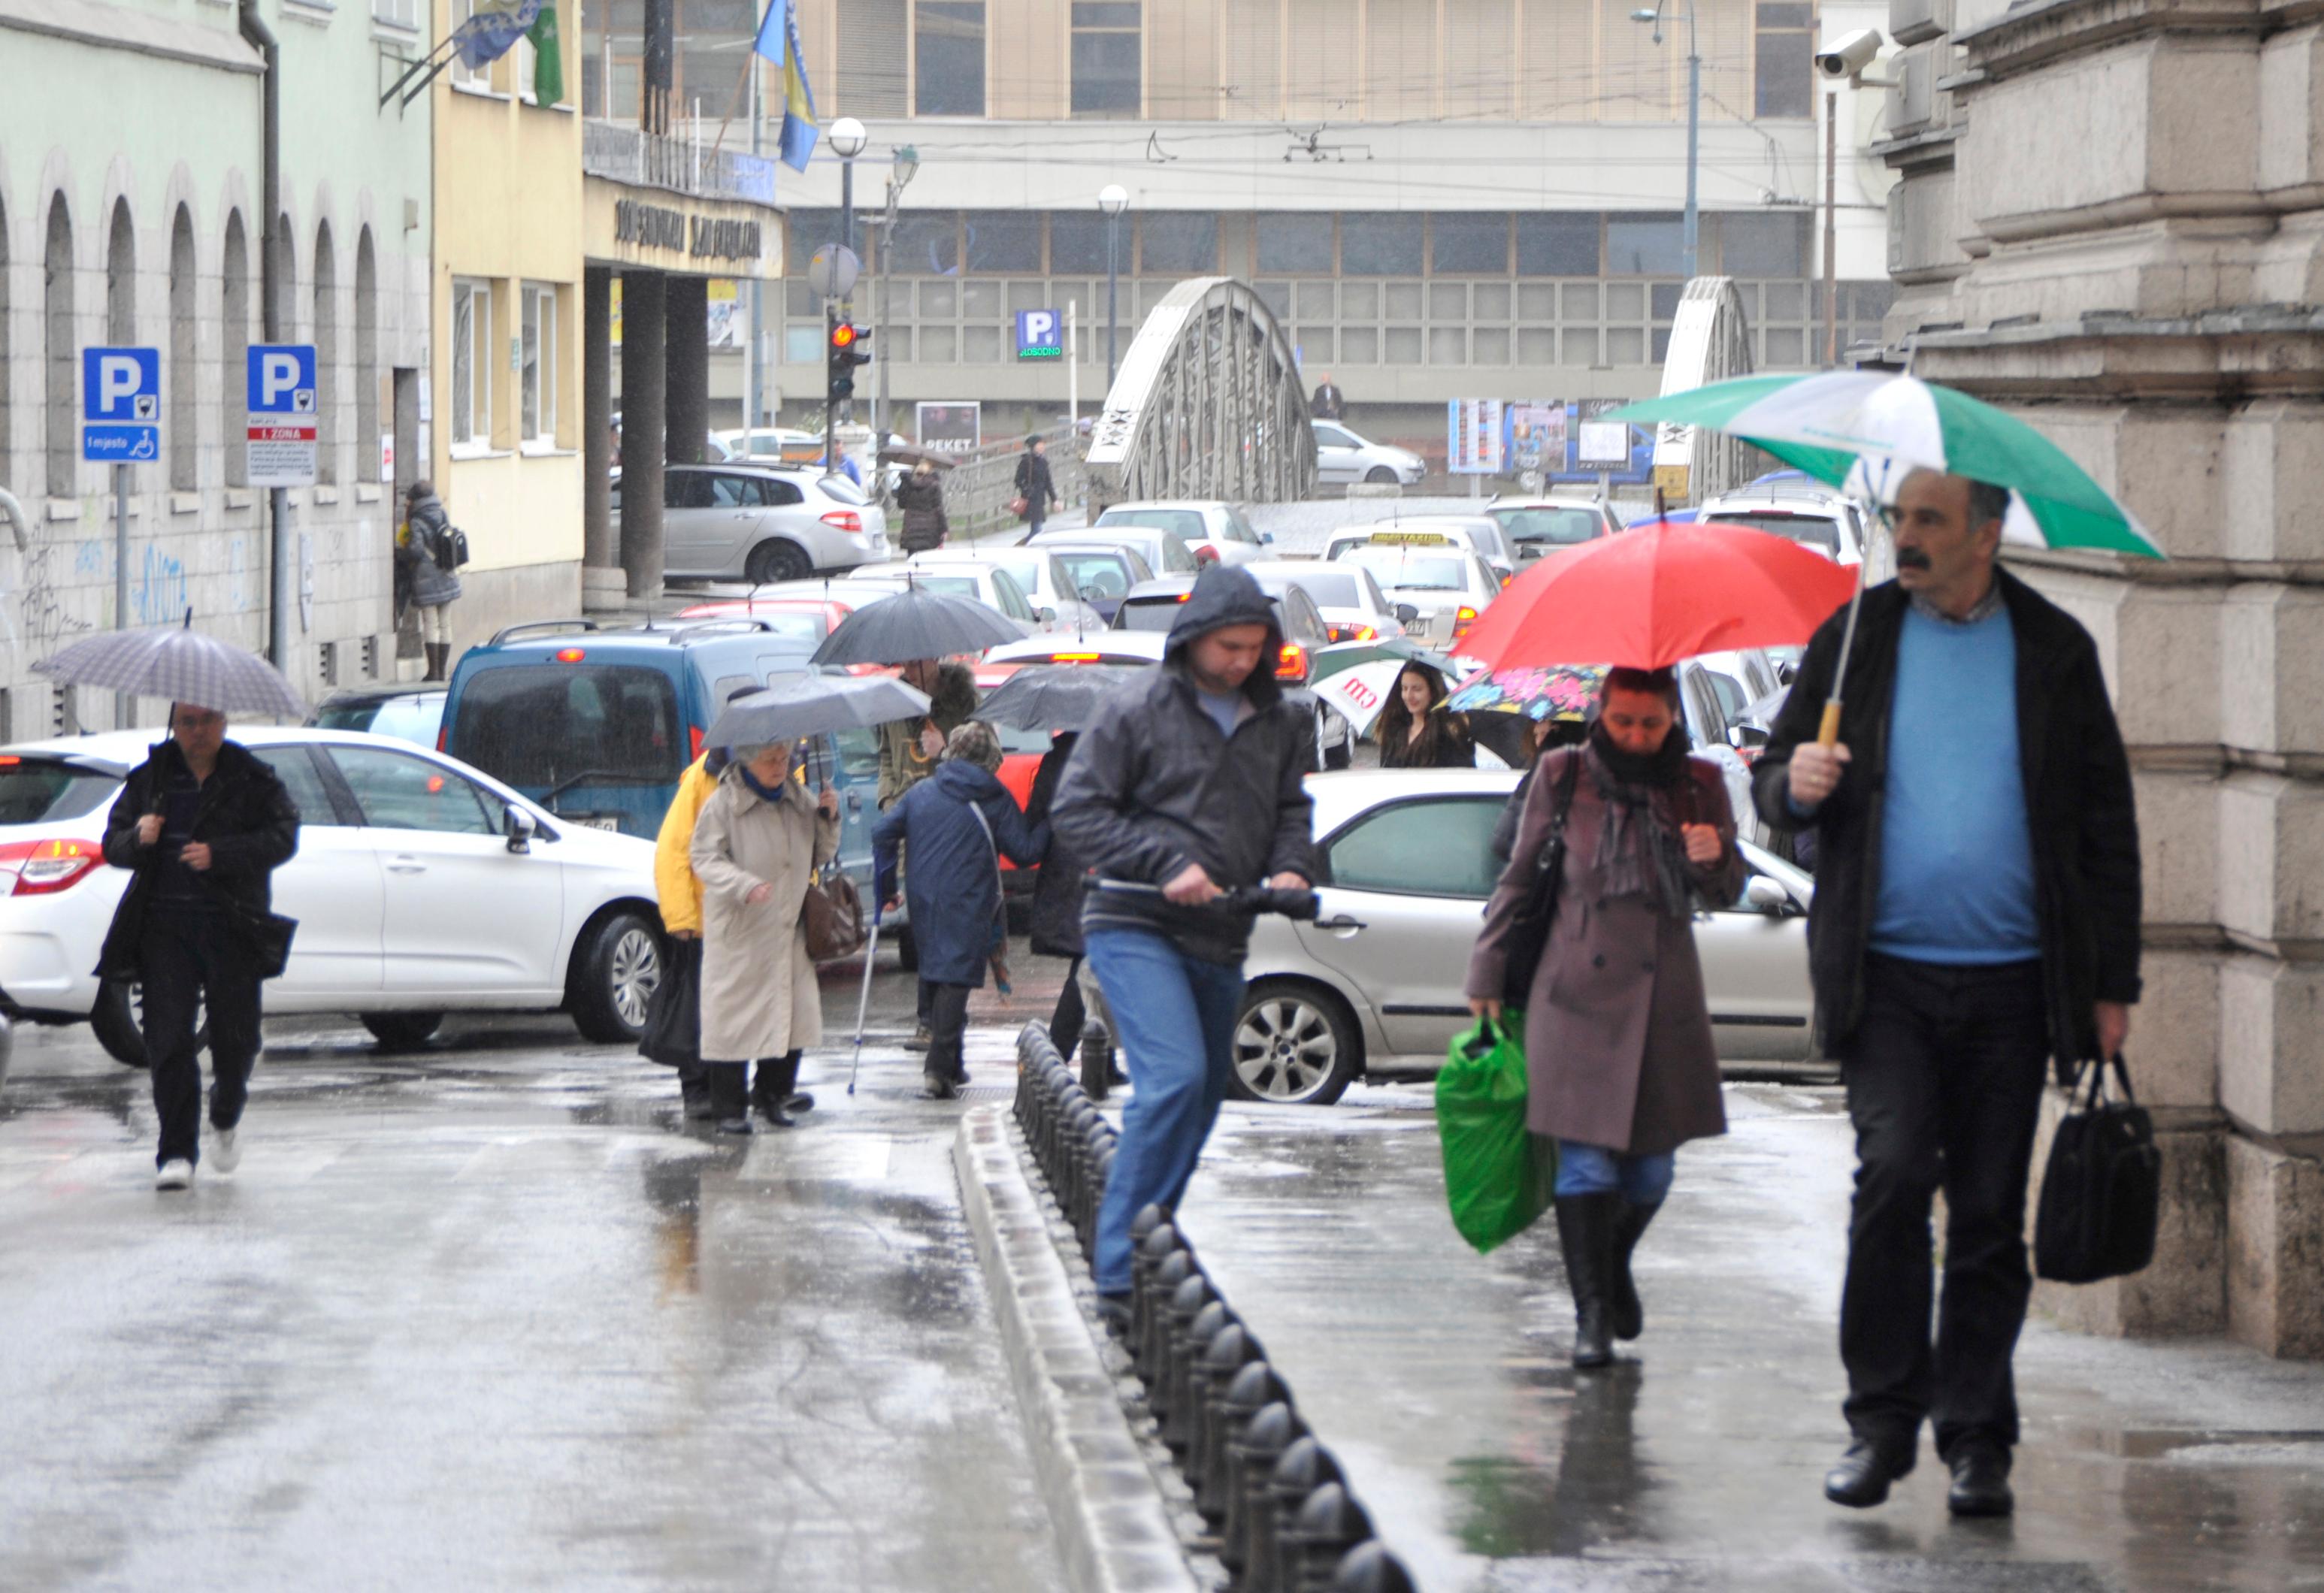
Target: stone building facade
(2111, 218)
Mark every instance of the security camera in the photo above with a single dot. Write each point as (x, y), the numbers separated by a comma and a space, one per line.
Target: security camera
(1849, 54)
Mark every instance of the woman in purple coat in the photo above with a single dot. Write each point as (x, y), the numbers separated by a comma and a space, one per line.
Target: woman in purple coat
(1620, 1067)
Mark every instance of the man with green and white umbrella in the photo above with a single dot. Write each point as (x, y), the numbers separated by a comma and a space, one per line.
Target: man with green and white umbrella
(1977, 909)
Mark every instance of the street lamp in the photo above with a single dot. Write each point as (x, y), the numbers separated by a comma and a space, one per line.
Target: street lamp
(847, 141)
(1113, 199)
(1693, 116)
(902, 167)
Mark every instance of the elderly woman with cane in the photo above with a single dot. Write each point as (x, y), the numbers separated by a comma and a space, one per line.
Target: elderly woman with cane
(1620, 1068)
(756, 847)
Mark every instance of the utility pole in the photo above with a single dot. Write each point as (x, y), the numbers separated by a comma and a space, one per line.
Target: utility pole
(1831, 230)
(901, 171)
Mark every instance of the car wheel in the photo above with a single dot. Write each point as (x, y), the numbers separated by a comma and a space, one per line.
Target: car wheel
(772, 562)
(400, 1031)
(1379, 475)
(118, 1019)
(614, 973)
(1295, 1045)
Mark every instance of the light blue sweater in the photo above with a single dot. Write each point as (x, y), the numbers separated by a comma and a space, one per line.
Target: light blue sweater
(1956, 854)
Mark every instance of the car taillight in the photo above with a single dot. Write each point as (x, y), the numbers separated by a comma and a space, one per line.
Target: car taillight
(46, 867)
(694, 740)
(1366, 633)
(846, 520)
(1463, 618)
(1291, 664)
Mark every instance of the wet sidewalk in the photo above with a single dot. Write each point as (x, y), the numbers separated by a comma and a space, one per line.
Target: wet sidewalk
(1440, 1381)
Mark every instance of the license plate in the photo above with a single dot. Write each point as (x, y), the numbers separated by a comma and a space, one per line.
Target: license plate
(595, 821)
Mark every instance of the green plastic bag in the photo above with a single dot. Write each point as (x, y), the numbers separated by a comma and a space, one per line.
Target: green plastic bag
(1498, 1177)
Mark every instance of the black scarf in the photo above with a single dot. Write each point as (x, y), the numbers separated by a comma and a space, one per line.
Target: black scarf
(1641, 852)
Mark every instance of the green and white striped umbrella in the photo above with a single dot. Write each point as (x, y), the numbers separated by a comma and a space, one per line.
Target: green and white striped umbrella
(1867, 430)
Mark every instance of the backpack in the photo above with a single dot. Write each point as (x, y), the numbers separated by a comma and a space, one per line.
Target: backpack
(451, 549)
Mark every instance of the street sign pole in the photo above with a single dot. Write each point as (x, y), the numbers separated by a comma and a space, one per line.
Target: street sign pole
(121, 415)
(121, 699)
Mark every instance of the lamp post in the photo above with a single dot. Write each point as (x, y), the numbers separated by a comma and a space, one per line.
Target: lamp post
(1693, 116)
(1113, 199)
(901, 169)
(847, 141)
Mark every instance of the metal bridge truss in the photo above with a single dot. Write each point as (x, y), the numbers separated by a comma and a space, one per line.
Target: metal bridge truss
(1208, 403)
(1710, 341)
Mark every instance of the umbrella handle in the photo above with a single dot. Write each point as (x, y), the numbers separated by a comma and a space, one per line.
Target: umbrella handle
(1827, 735)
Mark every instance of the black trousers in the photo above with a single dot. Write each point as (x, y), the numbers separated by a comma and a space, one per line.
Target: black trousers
(1944, 1080)
(947, 1023)
(1065, 1022)
(190, 955)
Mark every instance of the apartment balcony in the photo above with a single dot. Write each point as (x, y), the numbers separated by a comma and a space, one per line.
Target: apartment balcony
(633, 156)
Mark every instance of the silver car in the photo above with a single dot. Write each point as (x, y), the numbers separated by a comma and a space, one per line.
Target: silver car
(763, 523)
(1342, 456)
(1374, 985)
(1212, 528)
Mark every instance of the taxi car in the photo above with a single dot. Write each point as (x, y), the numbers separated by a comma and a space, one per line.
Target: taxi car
(1446, 584)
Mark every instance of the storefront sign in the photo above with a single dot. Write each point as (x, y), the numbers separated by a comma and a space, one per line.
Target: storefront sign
(657, 227)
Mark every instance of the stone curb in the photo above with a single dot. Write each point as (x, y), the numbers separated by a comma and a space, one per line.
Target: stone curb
(1115, 1533)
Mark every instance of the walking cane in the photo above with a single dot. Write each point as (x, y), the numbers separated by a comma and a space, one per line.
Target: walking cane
(864, 1002)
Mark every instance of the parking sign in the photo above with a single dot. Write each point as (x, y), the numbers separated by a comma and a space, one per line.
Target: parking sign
(121, 404)
(1040, 334)
(280, 378)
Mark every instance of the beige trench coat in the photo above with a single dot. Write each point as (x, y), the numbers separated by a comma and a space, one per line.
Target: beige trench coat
(759, 992)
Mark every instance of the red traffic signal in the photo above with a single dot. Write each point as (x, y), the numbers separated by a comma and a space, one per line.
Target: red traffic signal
(843, 336)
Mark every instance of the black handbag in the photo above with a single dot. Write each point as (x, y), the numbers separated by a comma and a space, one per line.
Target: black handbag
(1528, 933)
(2101, 1190)
(672, 1036)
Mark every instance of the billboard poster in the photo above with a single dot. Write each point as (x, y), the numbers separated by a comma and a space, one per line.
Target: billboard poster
(1472, 443)
(1622, 453)
(1536, 431)
(728, 321)
(949, 427)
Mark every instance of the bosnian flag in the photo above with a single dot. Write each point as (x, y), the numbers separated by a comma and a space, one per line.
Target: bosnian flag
(779, 41)
(492, 29)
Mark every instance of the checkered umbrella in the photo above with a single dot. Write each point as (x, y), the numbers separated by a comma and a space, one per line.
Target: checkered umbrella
(180, 664)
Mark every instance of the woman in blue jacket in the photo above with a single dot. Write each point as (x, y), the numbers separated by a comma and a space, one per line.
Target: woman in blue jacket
(956, 824)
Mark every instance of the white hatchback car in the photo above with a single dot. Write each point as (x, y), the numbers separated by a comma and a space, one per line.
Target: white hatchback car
(1376, 983)
(1045, 581)
(1446, 586)
(1342, 456)
(421, 885)
(1215, 529)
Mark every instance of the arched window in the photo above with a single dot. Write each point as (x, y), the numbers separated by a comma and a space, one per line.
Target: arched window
(120, 278)
(6, 441)
(60, 401)
(366, 360)
(326, 357)
(233, 349)
(185, 474)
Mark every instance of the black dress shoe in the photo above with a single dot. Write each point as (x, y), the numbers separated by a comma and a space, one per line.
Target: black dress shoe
(733, 1125)
(1980, 1482)
(799, 1101)
(1861, 1478)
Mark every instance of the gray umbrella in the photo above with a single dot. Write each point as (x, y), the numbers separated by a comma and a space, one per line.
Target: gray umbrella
(814, 705)
(1054, 696)
(180, 664)
(916, 623)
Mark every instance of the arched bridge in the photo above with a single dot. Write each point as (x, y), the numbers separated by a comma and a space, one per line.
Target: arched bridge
(1710, 341)
(1207, 403)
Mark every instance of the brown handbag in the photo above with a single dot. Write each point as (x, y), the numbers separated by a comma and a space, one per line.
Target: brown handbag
(832, 916)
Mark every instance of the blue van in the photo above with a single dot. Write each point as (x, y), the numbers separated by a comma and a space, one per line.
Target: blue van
(595, 724)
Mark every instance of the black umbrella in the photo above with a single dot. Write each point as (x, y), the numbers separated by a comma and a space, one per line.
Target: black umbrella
(812, 705)
(916, 623)
(1054, 696)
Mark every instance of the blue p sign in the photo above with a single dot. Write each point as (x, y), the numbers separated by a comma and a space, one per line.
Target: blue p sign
(121, 384)
(282, 377)
(1040, 334)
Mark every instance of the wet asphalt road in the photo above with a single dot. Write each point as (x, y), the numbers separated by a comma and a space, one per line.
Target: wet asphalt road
(483, 1316)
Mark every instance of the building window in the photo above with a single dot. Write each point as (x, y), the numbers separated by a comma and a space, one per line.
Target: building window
(1178, 242)
(1106, 57)
(396, 13)
(1004, 240)
(805, 232)
(183, 436)
(61, 403)
(1557, 244)
(948, 58)
(1077, 241)
(462, 75)
(926, 245)
(1296, 241)
(367, 460)
(1786, 79)
(327, 358)
(537, 366)
(120, 278)
(1381, 243)
(471, 398)
(1463, 243)
(1763, 245)
(4, 449)
(1645, 246)
(233, 347)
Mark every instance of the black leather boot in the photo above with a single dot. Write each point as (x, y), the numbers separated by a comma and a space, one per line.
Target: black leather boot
(1625, 1313)
(775, 1091)
(1585, 1228)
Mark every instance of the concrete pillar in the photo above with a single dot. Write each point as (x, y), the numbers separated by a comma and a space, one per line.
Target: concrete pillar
(642, 375)
(599, 550)
(687, 313)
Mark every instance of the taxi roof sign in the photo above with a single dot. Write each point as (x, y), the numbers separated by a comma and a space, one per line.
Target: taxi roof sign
(1412, 538)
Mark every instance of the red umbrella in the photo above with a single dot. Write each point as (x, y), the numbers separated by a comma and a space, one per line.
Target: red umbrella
(1657, 593)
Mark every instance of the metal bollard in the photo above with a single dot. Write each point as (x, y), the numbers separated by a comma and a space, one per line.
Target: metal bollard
(1248, 1389)
(1097, 1058)
(1370, 1567)
(1147, 1256)
(1100, 1173)
(1302, 1468)
(1186, 1350)
(1329, 1523)
(1146, 1313)
(1224, 1353)
(1252, 1456)
(1187, 1302)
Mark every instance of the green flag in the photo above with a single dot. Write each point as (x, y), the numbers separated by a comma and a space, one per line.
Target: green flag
(547, 59)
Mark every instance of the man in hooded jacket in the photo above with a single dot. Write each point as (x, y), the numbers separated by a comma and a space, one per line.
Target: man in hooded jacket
(1185, 785)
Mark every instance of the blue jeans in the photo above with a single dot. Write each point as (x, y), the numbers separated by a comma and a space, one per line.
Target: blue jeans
(1593, 1169)
(1174, 1017)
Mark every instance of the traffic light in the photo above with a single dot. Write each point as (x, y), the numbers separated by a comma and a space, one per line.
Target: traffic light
(847, 346)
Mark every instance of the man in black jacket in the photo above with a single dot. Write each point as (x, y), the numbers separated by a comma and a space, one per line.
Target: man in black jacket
(1976, 911)
(204, 824)
(1185, 784)
(1035, 484)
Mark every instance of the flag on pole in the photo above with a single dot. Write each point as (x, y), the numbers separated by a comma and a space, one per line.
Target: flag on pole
(492, 31)
(779, 42)
(547, 59)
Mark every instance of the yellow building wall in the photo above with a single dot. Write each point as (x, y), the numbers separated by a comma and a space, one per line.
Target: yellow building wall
(508, 211)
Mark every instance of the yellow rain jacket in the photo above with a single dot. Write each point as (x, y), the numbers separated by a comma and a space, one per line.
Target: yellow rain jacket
(674, 877)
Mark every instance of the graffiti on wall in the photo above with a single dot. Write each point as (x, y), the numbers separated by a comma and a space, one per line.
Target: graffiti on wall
(159, 594)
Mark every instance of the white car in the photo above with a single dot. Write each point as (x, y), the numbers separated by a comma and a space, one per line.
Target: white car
(1341, 457)
(988, 584)
(1216, 531)
(1039, 574)
(420, 885)
(1479, 534)
(763, 523)
(1347, 597)
(1376, 983)
(1791, 503)
(1535, 526)
(1446, 586)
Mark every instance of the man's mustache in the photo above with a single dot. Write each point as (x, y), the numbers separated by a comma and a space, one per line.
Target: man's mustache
(1912, 559)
